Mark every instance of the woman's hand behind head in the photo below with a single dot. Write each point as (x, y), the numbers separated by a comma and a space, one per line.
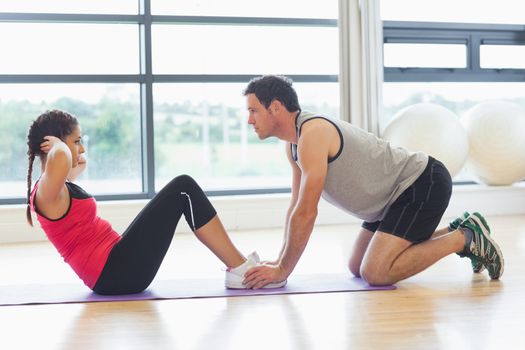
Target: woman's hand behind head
(49, 143)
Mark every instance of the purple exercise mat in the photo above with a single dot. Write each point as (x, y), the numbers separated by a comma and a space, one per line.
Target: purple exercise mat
(178, 289)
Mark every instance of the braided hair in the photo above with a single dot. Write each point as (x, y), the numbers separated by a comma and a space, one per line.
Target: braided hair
(51, 123)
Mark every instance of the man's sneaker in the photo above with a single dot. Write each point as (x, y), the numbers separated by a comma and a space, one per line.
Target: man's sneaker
(235, 276)
(454, 224)
(477, 265)
(480, 247)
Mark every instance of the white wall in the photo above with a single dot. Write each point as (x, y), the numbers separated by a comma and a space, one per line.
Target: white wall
(267, 211)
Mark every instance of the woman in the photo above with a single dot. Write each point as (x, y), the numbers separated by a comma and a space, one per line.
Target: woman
(107, 262)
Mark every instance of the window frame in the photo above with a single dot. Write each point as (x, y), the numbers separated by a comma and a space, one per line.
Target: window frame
(471, 35)
(146, 78)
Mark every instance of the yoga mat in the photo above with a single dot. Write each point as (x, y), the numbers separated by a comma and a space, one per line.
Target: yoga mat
(178, 289)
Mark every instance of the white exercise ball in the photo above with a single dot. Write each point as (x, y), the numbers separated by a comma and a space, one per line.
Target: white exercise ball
(432, 129)
(496, 131)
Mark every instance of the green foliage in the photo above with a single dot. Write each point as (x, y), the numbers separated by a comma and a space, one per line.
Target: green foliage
(15, 118)
(112, 128)
(202, 139)
(114, 147)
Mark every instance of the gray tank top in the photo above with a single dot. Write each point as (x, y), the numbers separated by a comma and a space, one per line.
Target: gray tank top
(367, 174)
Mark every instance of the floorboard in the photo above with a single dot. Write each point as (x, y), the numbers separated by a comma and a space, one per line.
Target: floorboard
(444, 307)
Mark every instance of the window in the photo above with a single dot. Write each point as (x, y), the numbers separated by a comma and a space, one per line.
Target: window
(70, 6)
(157, 86)
(231, 49)
(502, 56)
(425, 55)
(69, 48)
(242, 8)
(110, 122)
(452, 11)
(202, 129)
(455, 58)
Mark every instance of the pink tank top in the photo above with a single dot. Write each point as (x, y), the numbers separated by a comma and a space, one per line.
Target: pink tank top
(82, 238)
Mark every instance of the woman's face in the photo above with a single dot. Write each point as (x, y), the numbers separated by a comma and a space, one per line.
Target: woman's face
(74, 142)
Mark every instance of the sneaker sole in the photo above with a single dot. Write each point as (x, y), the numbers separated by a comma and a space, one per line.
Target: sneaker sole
(486, 226)
(478, 220)
(234, 285)
(479, 268)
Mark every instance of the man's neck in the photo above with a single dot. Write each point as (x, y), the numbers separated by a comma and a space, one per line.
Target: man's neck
(287, 130)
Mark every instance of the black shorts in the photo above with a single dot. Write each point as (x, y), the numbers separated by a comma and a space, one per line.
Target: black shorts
(416, 213)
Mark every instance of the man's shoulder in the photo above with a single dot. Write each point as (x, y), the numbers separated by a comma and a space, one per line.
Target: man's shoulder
(316, 128)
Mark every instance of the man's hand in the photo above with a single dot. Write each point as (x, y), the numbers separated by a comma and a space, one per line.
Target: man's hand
(259, 276)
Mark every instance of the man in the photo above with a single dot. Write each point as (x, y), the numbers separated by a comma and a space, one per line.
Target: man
(400, 195)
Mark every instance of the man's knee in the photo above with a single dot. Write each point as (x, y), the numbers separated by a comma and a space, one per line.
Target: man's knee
(354, 268)
(354, 264)
(375, 276)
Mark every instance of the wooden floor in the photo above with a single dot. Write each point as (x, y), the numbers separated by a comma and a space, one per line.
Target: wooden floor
(445, 307)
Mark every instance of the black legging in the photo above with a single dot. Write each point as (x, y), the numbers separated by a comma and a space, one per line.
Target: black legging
(135, 259)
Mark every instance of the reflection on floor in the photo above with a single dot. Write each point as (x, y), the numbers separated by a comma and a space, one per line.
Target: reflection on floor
(445, 307)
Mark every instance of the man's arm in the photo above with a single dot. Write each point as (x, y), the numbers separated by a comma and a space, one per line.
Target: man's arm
(313, 150)
(296, 180)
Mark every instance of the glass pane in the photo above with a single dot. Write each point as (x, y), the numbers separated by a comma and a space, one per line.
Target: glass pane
(66, 48)
(235, 8)
(70, 6)
(425, 55)
(202, 130)
(464, 11)
(109, 115)
(182, 49)
(457, 97)
(502, 56)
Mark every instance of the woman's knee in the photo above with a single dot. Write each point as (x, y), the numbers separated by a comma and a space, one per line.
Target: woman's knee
(183, 183)
(184, 180)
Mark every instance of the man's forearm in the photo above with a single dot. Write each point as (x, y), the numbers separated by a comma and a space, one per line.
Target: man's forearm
(286, 230)
(299, 230)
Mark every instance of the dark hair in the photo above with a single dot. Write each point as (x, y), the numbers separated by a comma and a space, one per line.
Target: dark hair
(274, 87)
(51, 123)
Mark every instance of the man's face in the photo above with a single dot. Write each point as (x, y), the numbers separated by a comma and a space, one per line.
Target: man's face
(259, 117)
